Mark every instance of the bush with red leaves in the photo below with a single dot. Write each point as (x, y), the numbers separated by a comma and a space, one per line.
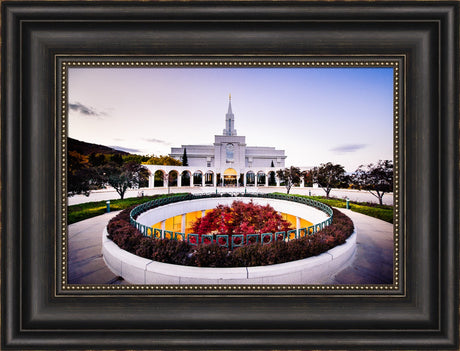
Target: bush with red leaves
(211, 255)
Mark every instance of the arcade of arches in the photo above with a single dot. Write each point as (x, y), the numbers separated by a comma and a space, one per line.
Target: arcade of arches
(183, 176)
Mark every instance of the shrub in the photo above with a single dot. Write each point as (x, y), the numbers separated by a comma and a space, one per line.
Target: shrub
(145, 247)
(170, 251)
(180, 252)
(127, 237)
(241, 218)
(211, 255)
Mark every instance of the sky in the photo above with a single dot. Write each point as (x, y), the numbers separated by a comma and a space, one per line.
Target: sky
(317, 115)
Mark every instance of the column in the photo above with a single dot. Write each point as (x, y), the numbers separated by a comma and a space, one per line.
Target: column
(277, 181)
(203, 177)
(152, 180)
(302, 182)
(183, 224)
(162, 225)
(214, 179)
(245, 179)
(179, 179)
(297, 219)
(266, 179)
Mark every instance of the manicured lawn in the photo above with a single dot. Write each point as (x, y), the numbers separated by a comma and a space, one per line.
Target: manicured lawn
(80, 212)
(383, 212)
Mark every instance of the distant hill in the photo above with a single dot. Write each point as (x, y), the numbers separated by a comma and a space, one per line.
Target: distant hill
(85, 148)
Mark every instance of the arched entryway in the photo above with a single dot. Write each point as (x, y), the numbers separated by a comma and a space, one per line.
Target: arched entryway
(250, 178)
(185, 178)
(197, 178)
(261, 178)
(271, 178)
(209, 178)
(230, 177)
(172, 178)
(159, 178)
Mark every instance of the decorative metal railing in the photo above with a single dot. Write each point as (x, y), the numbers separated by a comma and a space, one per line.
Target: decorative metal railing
(234, 240)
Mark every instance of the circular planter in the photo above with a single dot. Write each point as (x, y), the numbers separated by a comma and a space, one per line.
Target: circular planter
(313, 270)
(161, 213)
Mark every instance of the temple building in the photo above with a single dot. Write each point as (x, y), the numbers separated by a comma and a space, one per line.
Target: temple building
(227, 162)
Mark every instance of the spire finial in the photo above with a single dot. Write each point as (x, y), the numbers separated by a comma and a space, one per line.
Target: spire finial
(230, 97)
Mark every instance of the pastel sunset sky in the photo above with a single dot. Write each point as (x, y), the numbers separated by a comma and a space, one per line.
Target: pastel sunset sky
(317, 115)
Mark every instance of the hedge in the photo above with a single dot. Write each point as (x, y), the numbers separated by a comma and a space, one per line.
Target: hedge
(180, 252)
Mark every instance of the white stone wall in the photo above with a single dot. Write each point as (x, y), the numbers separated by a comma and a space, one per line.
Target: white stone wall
(151, 217)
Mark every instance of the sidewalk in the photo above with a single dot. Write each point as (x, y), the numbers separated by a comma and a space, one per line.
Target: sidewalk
(372, 262)
(86, 265)
(108, 194)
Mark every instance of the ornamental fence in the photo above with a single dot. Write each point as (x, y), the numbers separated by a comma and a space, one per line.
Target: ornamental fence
(229, 240)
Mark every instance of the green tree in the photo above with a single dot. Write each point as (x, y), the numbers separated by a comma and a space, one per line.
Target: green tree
(308, 178)
(124, 177)
(116, 158)
(96, 159)
(375, 178)
(184, 158)
(328, 176)
(135, 158)
(290, 176)
(163, 160)
(78, 174)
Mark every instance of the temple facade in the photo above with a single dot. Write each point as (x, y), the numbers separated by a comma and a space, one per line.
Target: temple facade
(227, 162)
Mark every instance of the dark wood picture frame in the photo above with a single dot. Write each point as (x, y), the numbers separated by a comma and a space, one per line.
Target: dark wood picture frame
(37, 314)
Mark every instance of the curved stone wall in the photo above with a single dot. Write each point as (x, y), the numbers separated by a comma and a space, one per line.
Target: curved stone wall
(161, 213)
(313, 270)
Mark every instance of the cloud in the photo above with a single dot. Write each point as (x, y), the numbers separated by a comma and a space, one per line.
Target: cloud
(85, 110)
(125, 149)
(348, 148)
(157, 141)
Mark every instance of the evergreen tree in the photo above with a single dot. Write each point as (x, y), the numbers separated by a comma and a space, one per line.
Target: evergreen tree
(272, 165)
(184, 158)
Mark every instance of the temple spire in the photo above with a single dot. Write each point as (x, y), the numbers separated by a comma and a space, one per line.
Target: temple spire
(229, 104)
(229, 119)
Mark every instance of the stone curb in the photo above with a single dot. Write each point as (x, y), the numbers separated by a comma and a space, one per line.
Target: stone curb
(312, 270)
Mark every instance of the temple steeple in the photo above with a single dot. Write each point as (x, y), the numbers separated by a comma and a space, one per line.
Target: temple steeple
(229, 119)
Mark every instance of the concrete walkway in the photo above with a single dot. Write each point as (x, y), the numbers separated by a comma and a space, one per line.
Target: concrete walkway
(353, 195)
(372, 263)
(86, 265)
(373, 260)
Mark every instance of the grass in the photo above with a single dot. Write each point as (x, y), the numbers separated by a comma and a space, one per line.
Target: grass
(80, 212)
(383, 212)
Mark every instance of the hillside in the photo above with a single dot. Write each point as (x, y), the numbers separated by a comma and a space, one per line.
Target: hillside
(85, 148)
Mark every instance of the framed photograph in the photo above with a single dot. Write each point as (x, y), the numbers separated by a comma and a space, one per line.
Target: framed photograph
(142, 101)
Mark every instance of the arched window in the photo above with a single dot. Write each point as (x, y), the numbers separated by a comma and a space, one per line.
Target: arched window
(229, 152)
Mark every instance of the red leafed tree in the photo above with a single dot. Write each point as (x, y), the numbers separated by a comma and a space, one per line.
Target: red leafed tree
(241, 218)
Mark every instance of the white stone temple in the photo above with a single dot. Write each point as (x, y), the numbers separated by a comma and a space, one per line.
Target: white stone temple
(227, 162)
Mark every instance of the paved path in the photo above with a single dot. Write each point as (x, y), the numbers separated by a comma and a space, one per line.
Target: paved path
(86, 265)
(372, 263)
(353, 195)
(373, 260)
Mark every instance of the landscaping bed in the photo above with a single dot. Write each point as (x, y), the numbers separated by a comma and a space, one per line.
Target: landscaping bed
(128, 238)
(383, 212)
(80, 212)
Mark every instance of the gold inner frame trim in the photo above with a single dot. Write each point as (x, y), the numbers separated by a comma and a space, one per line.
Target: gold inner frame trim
(63, 63)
